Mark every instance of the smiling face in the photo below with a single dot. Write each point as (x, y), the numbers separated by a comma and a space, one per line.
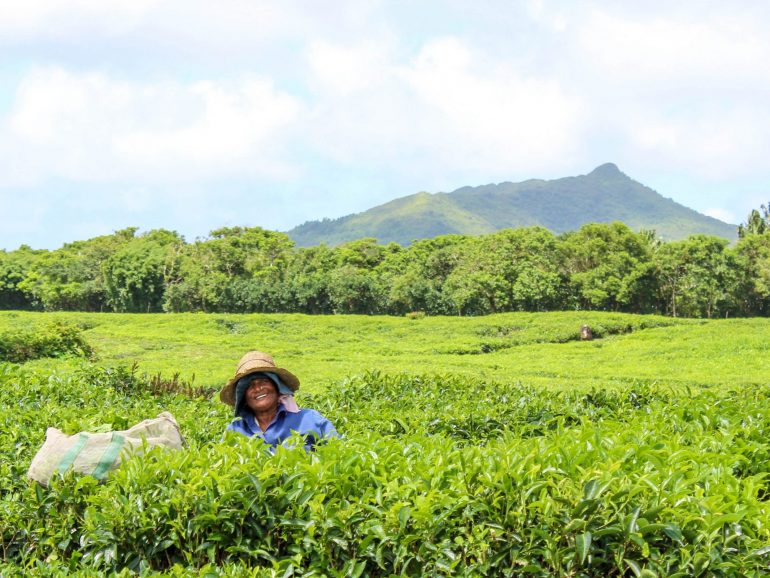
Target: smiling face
(262, 396)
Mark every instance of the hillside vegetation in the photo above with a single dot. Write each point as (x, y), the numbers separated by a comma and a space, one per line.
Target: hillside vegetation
(602, 196)
(494, 446)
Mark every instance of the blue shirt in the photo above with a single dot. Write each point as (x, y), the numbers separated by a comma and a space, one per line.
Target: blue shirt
(308, 422)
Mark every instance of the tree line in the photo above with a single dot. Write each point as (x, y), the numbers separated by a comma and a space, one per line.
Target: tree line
(605, 267)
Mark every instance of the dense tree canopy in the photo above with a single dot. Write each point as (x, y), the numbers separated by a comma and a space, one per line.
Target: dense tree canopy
(248, 269)
(607, 265)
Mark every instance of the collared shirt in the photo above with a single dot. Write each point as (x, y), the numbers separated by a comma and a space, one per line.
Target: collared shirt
(308, 422)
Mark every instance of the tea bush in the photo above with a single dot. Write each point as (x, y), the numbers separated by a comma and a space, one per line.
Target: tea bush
(129, 381)
(52, 340)
(436, 475)
(470, 409)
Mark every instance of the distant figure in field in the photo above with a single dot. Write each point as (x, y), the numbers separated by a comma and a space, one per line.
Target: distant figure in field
(586, 334)
(263, 397)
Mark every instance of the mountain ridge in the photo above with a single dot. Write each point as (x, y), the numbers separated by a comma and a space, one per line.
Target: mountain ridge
(605, 194)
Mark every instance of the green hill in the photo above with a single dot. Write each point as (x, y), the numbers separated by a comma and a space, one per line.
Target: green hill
(604, 195)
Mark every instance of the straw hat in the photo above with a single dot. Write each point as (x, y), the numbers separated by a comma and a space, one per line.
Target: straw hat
(252, 362)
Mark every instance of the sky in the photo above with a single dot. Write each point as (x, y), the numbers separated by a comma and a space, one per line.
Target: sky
(191, 115)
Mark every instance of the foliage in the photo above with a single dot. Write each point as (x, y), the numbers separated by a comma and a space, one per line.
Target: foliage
(436, 475)
(753, 257)
(509, 270)
(600, 267)
(542, 349)
(757, 223)
(609, 266)
(130, 382)
(71, 278)
(14, 268)
(417, 276)
(697, 277)
(136, 275)
(52, 340)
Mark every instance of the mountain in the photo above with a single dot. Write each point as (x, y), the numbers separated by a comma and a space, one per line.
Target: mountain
(602, 196)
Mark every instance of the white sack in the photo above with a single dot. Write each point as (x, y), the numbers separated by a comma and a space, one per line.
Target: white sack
(96, 454)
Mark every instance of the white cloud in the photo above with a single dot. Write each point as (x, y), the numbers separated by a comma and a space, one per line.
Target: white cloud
(242, 31)
(708, 141)
(552, 18)
(91, 127)
(339, 70)
(501, 118)
(675, 50)
(233, 131)
(675, 88)
(446, 107)
(164, 103)
(36, 18)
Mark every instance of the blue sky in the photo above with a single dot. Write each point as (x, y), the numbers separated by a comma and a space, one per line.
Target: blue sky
(192, 115)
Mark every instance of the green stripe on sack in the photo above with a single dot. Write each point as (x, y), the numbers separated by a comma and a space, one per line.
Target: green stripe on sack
(109, 456)
(72, 454)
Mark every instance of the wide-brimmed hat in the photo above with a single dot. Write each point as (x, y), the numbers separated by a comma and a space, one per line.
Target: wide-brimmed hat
(252, 362)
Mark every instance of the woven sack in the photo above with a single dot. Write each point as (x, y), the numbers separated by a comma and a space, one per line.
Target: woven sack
(96, 454)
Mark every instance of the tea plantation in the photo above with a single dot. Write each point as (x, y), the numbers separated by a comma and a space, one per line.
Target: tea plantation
(494, 446)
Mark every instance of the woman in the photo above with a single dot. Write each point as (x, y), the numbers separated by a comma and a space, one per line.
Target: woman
(263, 397)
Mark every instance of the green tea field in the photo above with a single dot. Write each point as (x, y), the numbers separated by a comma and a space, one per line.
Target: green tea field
(501, 445)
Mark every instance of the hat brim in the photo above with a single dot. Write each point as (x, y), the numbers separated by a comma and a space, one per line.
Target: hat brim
(227, 395)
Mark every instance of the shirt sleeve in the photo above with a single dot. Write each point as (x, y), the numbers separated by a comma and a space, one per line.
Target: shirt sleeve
(237, 425)
(326, 428)
(320, 429)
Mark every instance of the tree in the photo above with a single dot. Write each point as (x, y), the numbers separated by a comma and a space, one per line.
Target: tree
(529, 260)
(609, 267)
(71, 278)
(757, 222)
(212, 270)
(306, 281)
(136, 275)
(415, 277)
(511, 270)
(354, 290)
(363, 253)
(697, 277)
(752, 255)
(14, 267)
